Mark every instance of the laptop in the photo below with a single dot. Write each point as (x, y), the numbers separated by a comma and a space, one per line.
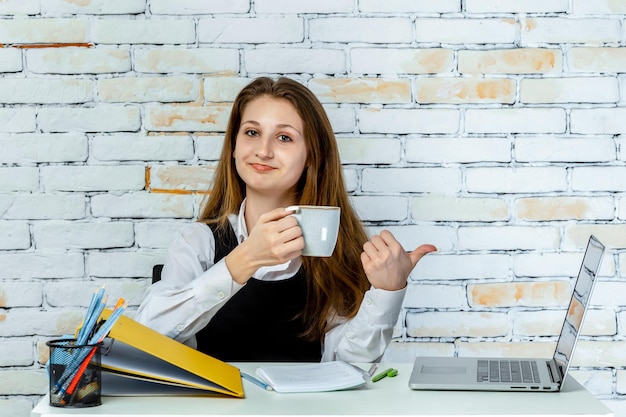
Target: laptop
(516, 374)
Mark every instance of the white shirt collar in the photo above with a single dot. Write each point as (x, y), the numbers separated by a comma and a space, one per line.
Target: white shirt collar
(240, 228)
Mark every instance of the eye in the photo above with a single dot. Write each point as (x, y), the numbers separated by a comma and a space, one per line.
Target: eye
(284, 138)
(251, 132)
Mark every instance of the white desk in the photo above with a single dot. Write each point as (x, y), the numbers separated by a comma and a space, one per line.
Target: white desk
(388, 397)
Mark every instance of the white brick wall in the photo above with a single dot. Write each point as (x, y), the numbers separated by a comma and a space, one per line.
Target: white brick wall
(490, 128)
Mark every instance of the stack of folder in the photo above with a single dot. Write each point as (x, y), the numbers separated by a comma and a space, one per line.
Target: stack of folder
(137, 360)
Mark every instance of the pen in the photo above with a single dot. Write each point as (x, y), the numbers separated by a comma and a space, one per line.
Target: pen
(256, 382)
(364, 373)
(372, 369)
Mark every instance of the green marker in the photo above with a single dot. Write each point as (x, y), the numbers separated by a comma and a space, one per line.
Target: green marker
(384, 373)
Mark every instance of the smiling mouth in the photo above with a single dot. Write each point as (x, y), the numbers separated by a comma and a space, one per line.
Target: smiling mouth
(262, 167)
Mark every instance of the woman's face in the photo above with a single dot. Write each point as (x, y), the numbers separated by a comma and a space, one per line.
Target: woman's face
(270, 151)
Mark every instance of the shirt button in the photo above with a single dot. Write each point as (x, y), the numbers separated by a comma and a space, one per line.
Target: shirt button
(368, 301)
(180, 327)
(349, 335)
(220, 295)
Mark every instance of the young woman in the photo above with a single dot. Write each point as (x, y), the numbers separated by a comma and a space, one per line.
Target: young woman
(235, 285)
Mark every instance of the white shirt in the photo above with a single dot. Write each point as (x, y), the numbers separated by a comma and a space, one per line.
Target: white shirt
(193, 288)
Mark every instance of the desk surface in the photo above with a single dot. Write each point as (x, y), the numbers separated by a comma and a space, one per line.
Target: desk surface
(390, 396)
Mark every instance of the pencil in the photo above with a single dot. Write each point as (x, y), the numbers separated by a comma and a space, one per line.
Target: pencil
(108, 324)
(91, 322)
(95, 300)
(78, 376)
(256, 381)
(120, 302)
(67, 375)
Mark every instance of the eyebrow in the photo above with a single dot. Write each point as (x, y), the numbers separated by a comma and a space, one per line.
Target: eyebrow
(282, 125)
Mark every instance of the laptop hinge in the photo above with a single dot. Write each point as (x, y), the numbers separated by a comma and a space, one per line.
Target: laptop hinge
(555, 376)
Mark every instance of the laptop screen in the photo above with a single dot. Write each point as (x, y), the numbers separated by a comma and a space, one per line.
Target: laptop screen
(578, 304)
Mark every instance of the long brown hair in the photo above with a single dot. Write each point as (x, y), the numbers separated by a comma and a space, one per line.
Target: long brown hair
(336, 284)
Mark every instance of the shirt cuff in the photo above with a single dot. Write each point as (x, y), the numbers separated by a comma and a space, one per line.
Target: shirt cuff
(382, 307)
(215, 285)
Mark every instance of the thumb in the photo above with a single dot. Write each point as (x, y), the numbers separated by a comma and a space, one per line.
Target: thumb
(420, 252)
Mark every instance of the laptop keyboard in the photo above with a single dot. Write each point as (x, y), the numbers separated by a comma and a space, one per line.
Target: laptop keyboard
(507, 371)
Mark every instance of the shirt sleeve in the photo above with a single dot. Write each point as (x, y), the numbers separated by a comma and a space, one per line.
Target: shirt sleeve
(365, 337)
(192, 287)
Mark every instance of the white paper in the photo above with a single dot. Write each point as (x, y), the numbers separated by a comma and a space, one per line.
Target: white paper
(314, 377)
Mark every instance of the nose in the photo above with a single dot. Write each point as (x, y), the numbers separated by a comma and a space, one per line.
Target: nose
(264, 147)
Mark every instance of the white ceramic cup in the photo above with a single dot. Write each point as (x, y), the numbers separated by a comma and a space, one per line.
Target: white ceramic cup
(320, 225)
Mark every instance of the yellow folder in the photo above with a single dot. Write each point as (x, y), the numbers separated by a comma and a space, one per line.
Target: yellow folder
(137, 360)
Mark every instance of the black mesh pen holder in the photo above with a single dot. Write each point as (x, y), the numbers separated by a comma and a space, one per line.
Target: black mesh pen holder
(74, 373)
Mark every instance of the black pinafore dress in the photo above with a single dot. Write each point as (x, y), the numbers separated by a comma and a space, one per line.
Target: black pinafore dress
(260, 323)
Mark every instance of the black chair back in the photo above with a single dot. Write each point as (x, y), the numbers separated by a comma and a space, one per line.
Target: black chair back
(156, 272)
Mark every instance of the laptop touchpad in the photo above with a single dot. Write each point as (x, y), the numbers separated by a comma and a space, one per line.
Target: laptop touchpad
(448, 370)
